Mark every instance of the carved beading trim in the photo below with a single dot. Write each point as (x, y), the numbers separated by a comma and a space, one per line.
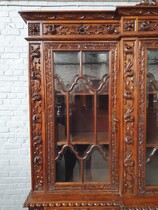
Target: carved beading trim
(34, 29)
(78, 204)
(143, 46)
(36, 115)
(148, 25)
(49, 47)
(80, 29)
(129, 24)
(128, 111)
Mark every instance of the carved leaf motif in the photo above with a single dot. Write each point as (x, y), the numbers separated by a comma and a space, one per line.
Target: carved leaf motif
(128, 117)
(36, 104)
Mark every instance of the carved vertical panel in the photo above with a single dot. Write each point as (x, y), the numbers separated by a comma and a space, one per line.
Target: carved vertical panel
(36, 116)
(128, 117)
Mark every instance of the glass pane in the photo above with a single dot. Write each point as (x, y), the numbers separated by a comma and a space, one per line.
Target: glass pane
(102, 118)
(152, 167)
(82, 114)
(152, 117)
(66, 67)
(60, 116)
(96, 167)
(95, 67)
(67, 167)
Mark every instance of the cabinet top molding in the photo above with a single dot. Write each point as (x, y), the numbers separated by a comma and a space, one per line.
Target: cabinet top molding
(143, 9)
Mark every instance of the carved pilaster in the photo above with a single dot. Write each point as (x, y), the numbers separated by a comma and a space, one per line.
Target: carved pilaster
(128, 116)
(36, 115)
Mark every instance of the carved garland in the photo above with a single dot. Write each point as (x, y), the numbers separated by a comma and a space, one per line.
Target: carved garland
(50, 113)
(36, 115)
(128, 110)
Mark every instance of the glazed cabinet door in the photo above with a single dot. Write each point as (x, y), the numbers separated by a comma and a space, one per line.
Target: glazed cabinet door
(82, 129)
(148, 117)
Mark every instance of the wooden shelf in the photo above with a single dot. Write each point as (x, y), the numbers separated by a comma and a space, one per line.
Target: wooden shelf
(85, 138)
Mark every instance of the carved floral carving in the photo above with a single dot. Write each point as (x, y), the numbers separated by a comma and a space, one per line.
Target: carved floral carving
(80, 29)
(128, 117)
(34, 29)
(36, 107)
(129, 25)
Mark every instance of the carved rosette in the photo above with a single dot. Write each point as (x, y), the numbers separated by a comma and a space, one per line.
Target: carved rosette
(143, 47)
(80, 29)
(36, 115)
(49, 47)
(129, 25)
(34, 29)
(129, 119)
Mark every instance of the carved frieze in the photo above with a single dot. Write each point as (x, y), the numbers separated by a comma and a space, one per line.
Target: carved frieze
(36, 115)
(80, 29)
(34, 29)
(129, 24)
(128, 111)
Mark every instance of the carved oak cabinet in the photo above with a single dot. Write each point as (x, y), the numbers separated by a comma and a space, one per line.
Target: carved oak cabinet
(93, 85)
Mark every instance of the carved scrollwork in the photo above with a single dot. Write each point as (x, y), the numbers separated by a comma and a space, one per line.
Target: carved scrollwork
(36, 107)
(128, 117)
(34, 29)
(148, 3)
(80, 29)
(129, 25)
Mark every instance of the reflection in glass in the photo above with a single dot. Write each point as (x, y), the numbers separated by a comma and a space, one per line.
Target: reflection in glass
(96, 167)
(102, 118)
(152, 167)
(67, 167)
(66, 67)
(152, 118)
(95, 67)
(60, 115)
(82, 114)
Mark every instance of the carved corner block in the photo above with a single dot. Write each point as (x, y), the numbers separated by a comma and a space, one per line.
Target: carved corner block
(34, 29)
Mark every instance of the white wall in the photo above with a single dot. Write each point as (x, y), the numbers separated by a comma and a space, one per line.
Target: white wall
(14, 116)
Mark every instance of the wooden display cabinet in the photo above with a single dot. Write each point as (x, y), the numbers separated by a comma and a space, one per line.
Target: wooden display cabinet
(93, 85)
